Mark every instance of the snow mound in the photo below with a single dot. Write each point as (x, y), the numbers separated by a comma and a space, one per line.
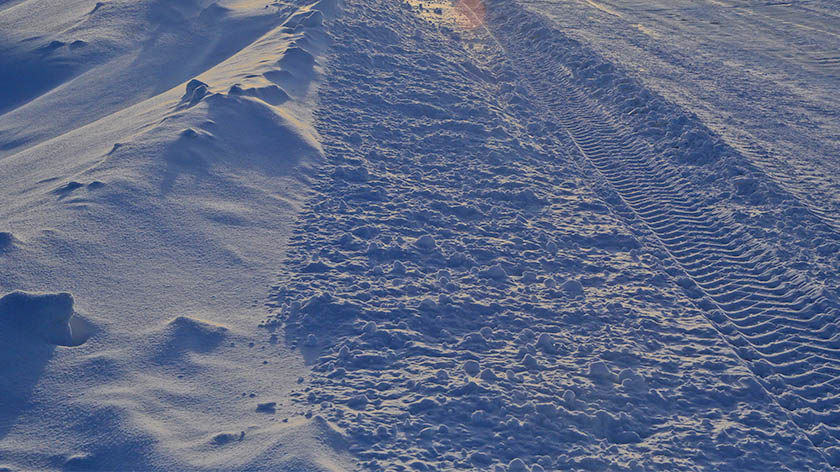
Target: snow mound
(193, 334)
(95, 60)
(179, 339)
(48, 317)
(150, 163)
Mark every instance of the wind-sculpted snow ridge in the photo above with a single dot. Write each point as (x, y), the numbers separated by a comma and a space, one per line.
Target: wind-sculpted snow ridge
(778, 319)
(157, 182)
(469, 300)
(92, 59)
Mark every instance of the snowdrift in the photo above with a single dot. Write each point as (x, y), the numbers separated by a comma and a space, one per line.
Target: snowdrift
(153, 156)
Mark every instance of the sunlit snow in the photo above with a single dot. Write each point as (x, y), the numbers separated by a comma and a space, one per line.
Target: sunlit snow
(491, 235)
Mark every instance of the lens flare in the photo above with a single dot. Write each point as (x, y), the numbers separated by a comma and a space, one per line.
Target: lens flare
(471, 13)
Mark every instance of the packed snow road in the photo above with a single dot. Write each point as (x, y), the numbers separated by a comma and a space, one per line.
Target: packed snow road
(521, 257)
(775, 318)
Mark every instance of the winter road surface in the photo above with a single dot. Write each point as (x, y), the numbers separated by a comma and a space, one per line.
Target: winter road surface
(509, 235)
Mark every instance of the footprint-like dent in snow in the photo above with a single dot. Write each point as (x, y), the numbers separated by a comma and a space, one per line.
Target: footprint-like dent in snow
(200, 334)
(52, 46)
(67, 189)
(46, 317)
(268, 407)
(221, 439)
(196, 90)
(271, 94)
(298, 60)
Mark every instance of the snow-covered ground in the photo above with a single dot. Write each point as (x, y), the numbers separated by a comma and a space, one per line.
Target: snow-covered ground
(762, 75)
(419, 235)
(154, 157)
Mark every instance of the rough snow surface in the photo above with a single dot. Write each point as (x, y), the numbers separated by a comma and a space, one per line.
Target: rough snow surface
(505, 269)
(762, 75)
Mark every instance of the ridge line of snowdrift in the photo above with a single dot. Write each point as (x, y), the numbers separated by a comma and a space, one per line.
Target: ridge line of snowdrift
(272, 32)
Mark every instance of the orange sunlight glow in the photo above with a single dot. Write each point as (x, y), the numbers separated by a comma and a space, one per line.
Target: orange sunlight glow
(471, 13)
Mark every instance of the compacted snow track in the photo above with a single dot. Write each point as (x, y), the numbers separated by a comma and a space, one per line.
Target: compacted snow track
(816, 190)
(780, 322)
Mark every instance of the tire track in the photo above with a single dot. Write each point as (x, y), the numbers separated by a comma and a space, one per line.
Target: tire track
(781, 324)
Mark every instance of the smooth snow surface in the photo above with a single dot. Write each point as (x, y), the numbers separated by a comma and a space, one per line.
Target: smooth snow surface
(153, 158)
(509, 235)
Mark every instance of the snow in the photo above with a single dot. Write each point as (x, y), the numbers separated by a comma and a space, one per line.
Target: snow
(761, 75)
(149, 189)
(498, 235)
(45, 317)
